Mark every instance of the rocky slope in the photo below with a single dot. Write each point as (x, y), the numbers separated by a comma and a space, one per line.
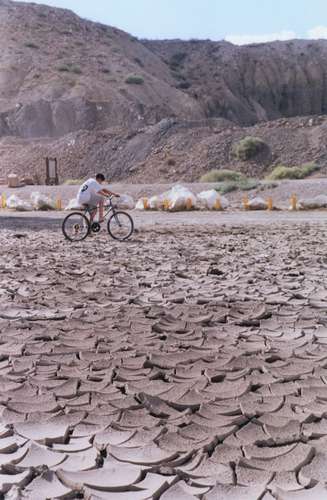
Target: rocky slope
(59, 73)
(98, 98)
(251, 83)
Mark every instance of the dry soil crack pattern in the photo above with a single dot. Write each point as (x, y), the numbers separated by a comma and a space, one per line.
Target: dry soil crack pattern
(185, 364)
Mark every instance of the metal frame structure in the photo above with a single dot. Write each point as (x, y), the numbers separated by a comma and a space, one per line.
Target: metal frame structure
(52, 176)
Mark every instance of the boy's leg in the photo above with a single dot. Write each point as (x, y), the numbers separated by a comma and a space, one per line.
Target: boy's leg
(93, 212)
(101, 205)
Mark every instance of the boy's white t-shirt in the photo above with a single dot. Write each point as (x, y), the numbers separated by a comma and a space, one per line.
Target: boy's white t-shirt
(89, 188)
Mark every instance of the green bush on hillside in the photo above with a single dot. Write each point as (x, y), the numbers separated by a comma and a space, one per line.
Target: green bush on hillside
(184, 85)
(248, 147)
(222, 176)
(241, 185)
(177, 59)
(300, 172)
(63, 68)
(134, 80)
(31, 45)
(69, 68)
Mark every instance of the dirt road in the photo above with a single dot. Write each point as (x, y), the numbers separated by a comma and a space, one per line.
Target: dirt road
(51, 221)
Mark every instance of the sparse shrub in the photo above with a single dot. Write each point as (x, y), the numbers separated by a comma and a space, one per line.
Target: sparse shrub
(300, 172)
(241, 185)
(139, 62)
(63, 68)
(226, 187)
(134, 80)
(248, 147)
(76, 69)
(267, 185)
(171, 162)
(73, 182)
(177, 59)
(105, 70)
(31, 45)
(184, 85)
(222, 176)
(177, 75)
(69, 68)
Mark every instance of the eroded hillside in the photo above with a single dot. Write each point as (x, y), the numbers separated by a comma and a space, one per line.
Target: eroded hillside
(97, 97)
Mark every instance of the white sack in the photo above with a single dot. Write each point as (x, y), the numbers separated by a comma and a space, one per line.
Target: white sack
(42, 202)
(208, 200)
(312, 203)
(15, 203)
(73, 205)
(257, 204)
(180, 198)
(124, 202)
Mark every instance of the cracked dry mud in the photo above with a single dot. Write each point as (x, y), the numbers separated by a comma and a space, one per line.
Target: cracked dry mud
(186, 364)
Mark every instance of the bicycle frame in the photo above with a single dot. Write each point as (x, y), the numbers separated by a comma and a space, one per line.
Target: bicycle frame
(108, 208)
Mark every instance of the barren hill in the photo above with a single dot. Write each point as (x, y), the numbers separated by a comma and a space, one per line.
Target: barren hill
(97, 97)
(250, 83)
(60, 73)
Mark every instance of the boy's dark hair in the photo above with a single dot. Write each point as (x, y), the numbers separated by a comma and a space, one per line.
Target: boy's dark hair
(100, 177)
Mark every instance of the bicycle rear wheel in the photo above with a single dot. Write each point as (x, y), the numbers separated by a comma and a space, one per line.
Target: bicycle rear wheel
(76, 226)
(120, 226)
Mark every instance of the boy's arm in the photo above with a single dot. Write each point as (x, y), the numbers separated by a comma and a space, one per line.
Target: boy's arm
(106, 192)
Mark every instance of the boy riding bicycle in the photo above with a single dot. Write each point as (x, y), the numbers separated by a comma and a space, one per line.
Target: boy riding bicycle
(91, 195)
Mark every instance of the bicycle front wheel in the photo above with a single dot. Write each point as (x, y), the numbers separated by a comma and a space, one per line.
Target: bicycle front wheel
(76, 226)
(120, 226)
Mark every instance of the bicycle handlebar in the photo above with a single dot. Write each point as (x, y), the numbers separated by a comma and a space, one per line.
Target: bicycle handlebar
(111, 196)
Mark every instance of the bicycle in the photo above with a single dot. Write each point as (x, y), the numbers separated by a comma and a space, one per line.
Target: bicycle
(77, 225)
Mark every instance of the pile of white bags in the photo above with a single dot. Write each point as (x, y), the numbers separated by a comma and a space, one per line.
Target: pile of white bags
(176, 199)
(73, 205)
(179, 198)
(257, 204)
(314, 203)
(211, 200)
(125, 202)
(42, 202)
(141, 204)
(15, 203)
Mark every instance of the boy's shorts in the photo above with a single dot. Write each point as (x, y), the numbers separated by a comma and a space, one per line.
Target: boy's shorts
(93, 201)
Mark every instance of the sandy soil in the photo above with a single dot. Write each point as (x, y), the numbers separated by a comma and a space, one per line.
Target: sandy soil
(189, 362)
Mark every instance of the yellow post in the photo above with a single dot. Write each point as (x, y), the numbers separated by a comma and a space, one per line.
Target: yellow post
(270, 204)
(189, 204)
(59, 203)
(293, 202)
(166, 204)
(3, 200)
(217, 205)
(245, 202)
